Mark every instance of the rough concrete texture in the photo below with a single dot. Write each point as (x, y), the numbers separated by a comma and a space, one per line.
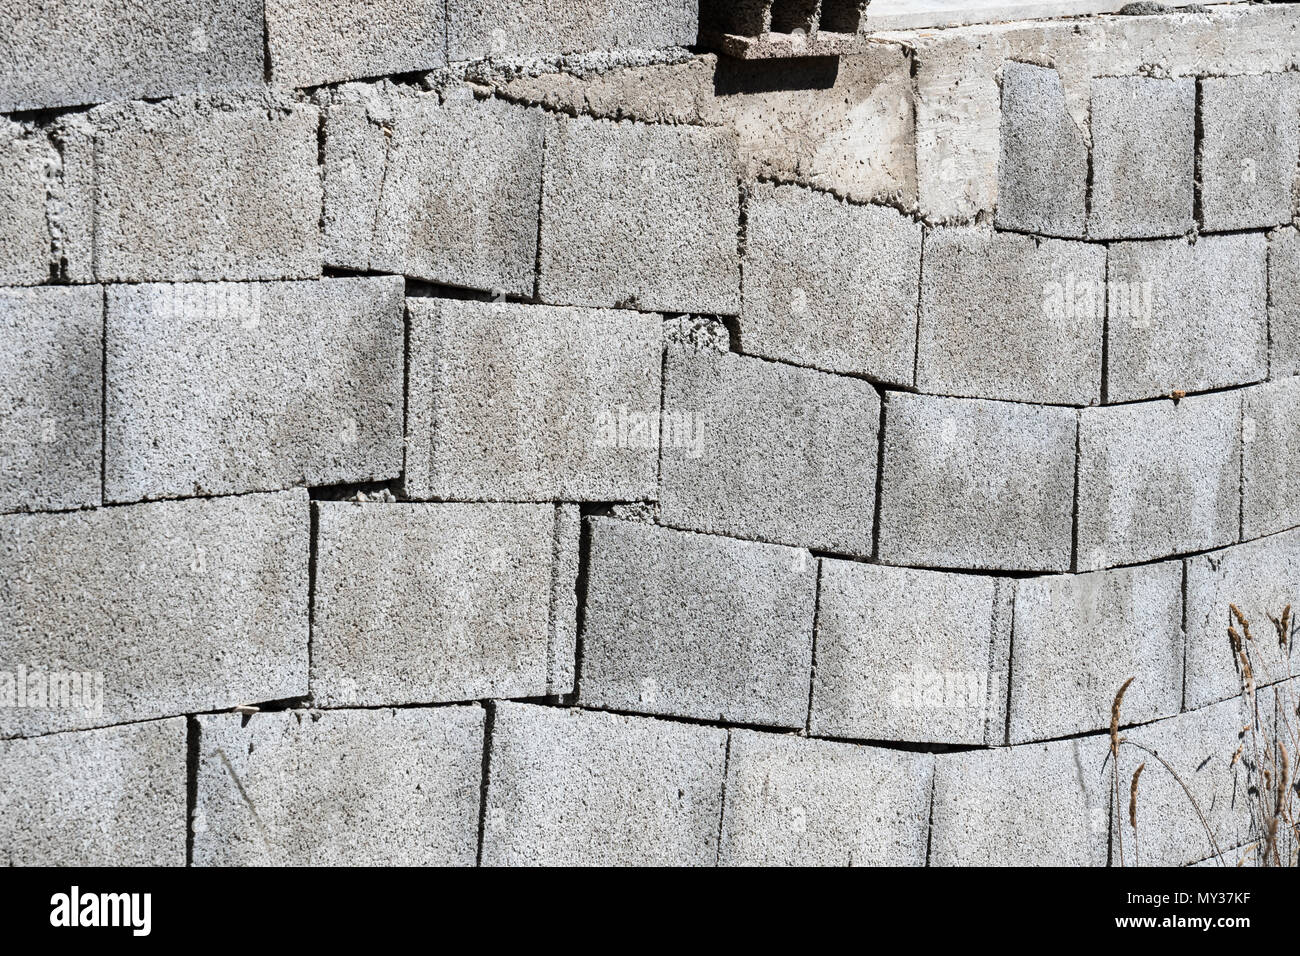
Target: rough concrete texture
(575, 788)
(1249, 149)
(792, 801)
(198, 189)
(1058, 815)
(25, 239)
(895, 14)
(221, 387)
(907, 655)
(309, 44)
(70, 198)
(572, 394)
(425, 603)
(340, 788)
(1079, 637)
(752, 449)
(93, 51)
(1011, 317)
(1283, 302)
(562, 657)
(1186, 317)
(699, 626)
(170, 607)
(477, 29)
(1270, 437)
(51, 385)
(111, 797)
(1158, 479)
(641, 216)
(975, 484)
(1043, 168)
(829, 284)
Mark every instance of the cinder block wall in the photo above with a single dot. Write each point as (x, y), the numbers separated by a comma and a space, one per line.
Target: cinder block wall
(514, 433)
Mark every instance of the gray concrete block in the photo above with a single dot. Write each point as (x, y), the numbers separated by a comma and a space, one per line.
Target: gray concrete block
(218, 388)
(310, 44)
(1011, 317)
(1143, 157)
(562, 657)
(194, 189)
(578, 788)
(697, 626)
(480, 28)
(1284, 302)
(51, 388)
(573, 395)
(1079, 637)
(24, 228)
(425, 603)
(974, 484)
(753, 449)
(1249, 149)
(1186, 317)
(354, 161)
(1043, 167)
(340, 788)
(640, 215)
(70, 198)
(111, 797)
(1032, 805)
(93, 51)
(1157, 479)
(1270, 437)
(907, 655)
(791, 801)
(166, 608)
(830, 284)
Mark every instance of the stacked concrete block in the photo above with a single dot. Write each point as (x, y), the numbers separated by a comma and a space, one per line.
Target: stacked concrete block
(1158, 479)
(340, 788)
(1283, 302)
(909, 655)
(156, 609)
(792, 801)
(830, 284)
(1270, 435)
(24, 228)
(539, 28)
(691, 625)
(1078, 638)
(425, 603)
(976, 484)
(1186, 317)
(753, 449)
(570, 788)
(525, 403)
(1011, 317)
(640, 216)
(1032, 805)
(70, 198)
(111, 797)
(1143, 157)
(51, 385)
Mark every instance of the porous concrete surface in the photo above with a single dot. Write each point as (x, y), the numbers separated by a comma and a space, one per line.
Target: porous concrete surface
(692, 625)
(1283, 302)
(976, 484)
(753, 449)
(219, 388)
(25, 239)
(546, 27)
(111, 797)
(182, 607)
(339, 788)
(51, 385)
(1270, 440)
(577, 788)
(792, 801)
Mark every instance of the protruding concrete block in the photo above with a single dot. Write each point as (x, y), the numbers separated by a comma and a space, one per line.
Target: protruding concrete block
(1186, 317)
(1270, 435)
(570, 788)
(156, 609)
(111, 797)
(51, 386)
(908, 655)
(340, 788)
(480, 28)
(25, 241)
(1079, 637)
(974, 484)
(830, 284)
(758, 450)
(1011, 317)
(697, 626)
(791, 801)
(524, 403)
(217, 388)
(1158, 479)
(1284, 302)
(425, 603)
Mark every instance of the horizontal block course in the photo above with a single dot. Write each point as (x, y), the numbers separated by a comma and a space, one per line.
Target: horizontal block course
(479, 28)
